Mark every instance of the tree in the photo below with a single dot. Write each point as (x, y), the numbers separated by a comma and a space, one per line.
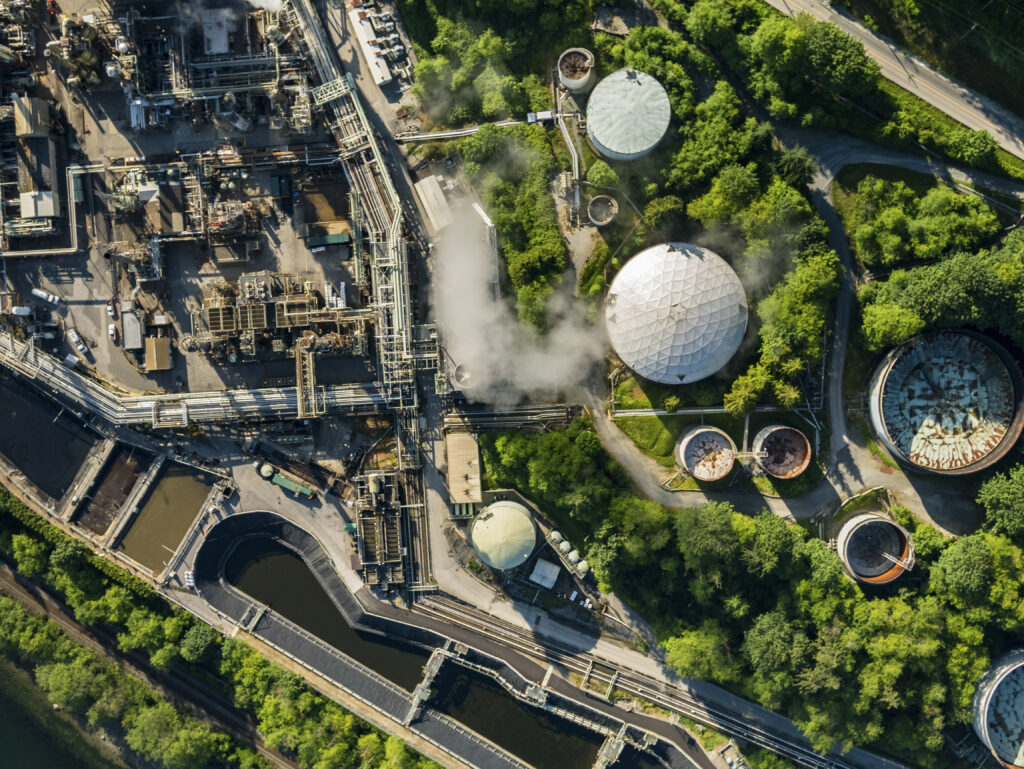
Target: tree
(31, 555)
(1003, 499)
(731, 191)
(199, 642)
(601, 174)
(972, 147)
(702, 653)
(796, 166)
(889, 325)
(965, 569)
(709, 22)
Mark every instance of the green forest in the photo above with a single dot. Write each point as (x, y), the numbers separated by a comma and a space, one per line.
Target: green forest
(764, 608)
(293, 718)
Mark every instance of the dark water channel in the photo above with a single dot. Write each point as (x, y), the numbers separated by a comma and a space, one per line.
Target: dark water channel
(274, 575)
(539, 739)
(48, 449)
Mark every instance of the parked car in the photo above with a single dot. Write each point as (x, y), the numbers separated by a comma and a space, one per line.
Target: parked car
(45, 296)
(76, 341)
(112, 330)
(110, 308)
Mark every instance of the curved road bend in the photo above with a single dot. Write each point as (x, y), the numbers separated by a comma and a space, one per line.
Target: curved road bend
(852, 467)
(911, 73)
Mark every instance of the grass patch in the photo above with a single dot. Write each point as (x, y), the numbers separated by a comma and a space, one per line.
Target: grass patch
(844, 188)
(858, 364)
(656, 436)
(708, 737)
(634, 393)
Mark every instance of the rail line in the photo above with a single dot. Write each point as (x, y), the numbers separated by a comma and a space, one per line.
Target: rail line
(630, 681)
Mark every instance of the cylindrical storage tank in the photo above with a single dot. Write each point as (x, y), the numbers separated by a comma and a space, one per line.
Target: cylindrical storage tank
(602, 210)
(787, 451)
(564, 547)
(706, 453)
(947, 403)
(266, 470)
(462, 378)
(503, 534)
(676, 313)
(555, 536)
(875, 549)
(576, 70)
(574, 556)
(999, 708)
(582, 567)
(627, 115)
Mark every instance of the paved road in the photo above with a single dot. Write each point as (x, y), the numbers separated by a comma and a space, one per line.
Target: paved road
(909, 72)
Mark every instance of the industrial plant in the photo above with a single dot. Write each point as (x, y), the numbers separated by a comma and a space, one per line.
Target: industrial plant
(999, 709)
(875, 549)
(947, 403)
(676, 313)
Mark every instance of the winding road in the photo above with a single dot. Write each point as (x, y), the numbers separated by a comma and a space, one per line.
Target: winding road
(852, 466)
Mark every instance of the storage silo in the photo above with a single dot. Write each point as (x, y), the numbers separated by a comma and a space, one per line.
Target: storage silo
(875, 549)
(786, 451)
(706, 453)
(576, 70)
(676, 313)
(601, 210)
(948, 402)
(503, 534)
(999, 709)
(627, 114)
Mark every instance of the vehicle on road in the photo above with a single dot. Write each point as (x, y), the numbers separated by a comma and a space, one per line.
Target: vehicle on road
(46, 296)
(110, 308)
(112, 331)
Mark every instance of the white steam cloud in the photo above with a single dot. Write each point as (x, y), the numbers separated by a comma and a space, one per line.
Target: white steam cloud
(504, 358)
(270, 5)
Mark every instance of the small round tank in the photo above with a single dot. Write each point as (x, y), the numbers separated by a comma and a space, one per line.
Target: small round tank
(602, 210)
(462, 378)
(706, 453)
(565, 547)
(875, 549)
(787, 451)
(574, 556)
(555, 536)
(267, 470)
(576, 70)
(582, 567)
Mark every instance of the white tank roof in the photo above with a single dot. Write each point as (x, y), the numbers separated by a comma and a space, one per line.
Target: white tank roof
(503, 534)
(627, 114)
(676, 313)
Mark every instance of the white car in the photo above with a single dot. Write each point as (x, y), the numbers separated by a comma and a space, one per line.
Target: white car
(110, 308)
(46, 296)
(112, 330)
(76, 341)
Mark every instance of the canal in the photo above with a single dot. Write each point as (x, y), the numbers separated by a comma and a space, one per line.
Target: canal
(169, 510)
(272, 574)
(49, 449)
(538, 738)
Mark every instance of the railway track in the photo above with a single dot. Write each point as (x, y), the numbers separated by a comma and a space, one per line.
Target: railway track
(630, 681)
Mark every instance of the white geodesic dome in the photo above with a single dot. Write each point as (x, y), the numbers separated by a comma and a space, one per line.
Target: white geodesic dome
(676, 313)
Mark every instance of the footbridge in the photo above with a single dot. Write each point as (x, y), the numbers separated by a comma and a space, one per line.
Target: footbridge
(177, 410)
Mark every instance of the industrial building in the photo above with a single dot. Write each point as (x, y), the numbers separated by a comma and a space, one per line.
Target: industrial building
(947, 402)
(706, 453)
(576, 70)
(627, 115)
(503, 535)
(782, 451)
(875, 549)
(999, 709)
(676, 313)
(381, 541)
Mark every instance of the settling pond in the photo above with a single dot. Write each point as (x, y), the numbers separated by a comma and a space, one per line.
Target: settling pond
(168, 511)
(48, 446)
(272, 574)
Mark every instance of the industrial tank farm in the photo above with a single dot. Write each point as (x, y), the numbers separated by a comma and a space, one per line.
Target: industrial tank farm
(503, 535)
(706, 453)
(627, 115)
(875, 549)
(999, 709)
(676, 313)
(947, 402)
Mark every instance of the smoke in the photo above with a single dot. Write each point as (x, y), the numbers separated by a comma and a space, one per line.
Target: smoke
(505, 359)
(269, 5)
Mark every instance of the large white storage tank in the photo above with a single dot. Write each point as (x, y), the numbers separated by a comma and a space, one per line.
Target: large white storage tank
(627, 114)
(676, 313)
(503, 534)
